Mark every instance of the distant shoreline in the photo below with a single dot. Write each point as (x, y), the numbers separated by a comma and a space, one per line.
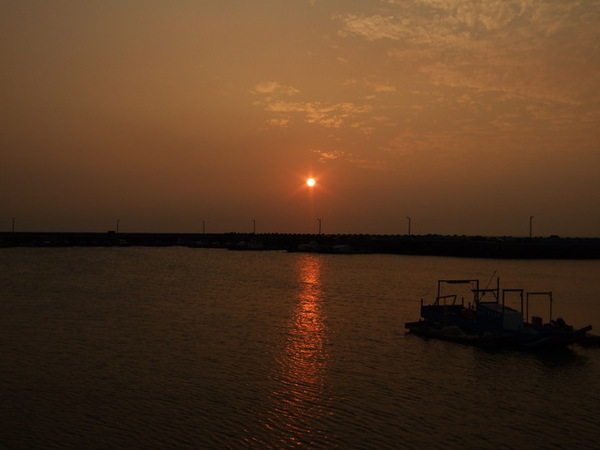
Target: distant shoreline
(553, 247)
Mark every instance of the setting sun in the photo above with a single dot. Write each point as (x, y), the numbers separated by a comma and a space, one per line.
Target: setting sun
(310, 182)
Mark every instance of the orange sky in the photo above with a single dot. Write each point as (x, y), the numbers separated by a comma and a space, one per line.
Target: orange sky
(469, 117)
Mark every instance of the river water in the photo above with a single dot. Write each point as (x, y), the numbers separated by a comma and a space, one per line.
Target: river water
(195, 348)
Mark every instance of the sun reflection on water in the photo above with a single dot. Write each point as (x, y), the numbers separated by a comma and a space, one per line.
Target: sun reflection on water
(299, 399)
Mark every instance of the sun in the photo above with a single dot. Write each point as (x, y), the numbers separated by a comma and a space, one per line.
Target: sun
(311, 182)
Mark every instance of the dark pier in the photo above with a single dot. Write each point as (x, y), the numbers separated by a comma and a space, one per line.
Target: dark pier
(439, 245)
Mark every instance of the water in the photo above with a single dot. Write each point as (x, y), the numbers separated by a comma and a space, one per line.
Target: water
(195, 348)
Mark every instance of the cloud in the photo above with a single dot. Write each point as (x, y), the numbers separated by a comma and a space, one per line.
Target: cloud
(371, 27)
(329, 156)
(383, 88)
(545, 51)
(371, 164)
(281, 122)
(329, 115)
(274, 88)
(437, 23)
(436, 75)
(374, 86)
(326, 157)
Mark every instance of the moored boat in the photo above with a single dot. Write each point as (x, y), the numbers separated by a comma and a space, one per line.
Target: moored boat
(488, 321)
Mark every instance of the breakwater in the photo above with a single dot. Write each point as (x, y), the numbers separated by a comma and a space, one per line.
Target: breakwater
(435, 245)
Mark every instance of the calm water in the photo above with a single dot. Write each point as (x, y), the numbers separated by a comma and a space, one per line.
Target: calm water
(195, 348)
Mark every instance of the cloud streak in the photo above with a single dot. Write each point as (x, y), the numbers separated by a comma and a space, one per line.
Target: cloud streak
(515, 46)
(328, 115)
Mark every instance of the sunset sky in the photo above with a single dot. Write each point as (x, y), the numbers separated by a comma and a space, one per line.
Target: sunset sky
(467, 116)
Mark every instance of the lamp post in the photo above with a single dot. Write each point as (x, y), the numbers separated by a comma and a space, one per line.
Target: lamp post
(530, 227)
(253, 226)
(319, 220)
(409, 221)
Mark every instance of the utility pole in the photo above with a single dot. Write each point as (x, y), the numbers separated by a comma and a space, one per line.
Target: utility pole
(319, 220)
(530, 227)
(409, 221)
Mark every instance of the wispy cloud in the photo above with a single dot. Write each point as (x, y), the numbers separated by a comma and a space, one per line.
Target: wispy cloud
(371, 27)
(330, 115)
(325, 156)
(274, 88)
(355, 160)
(448, 72)
(520, 46)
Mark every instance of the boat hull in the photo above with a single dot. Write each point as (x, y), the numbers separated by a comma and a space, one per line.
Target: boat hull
(523, 340)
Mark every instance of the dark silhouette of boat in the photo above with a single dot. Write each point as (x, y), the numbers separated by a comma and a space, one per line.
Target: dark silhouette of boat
(488, 322)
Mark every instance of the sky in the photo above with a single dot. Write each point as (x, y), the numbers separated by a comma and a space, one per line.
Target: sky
(469, 117)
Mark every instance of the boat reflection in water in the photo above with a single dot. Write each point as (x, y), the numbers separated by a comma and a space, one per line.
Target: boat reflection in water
(300, 405)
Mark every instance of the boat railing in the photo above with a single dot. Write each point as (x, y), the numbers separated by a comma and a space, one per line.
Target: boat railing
(480, 293)
(517, 291)
(547, 294)
(474, 283)
(443, 299)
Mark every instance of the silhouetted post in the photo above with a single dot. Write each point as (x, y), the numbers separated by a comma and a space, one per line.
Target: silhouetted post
(118, 221)
(13, 224)
(409, 220)
(530, 227)
(253, 226)
(319, 220)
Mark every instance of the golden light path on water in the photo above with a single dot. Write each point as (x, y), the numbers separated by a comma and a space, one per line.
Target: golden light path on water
(299, 403)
